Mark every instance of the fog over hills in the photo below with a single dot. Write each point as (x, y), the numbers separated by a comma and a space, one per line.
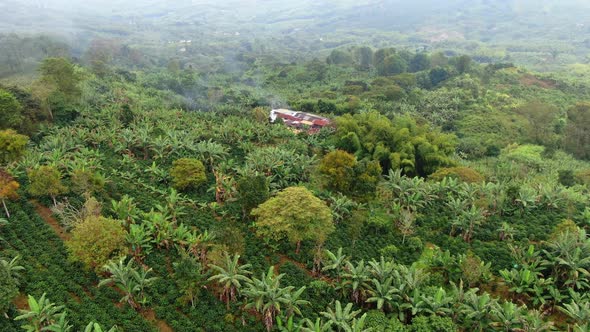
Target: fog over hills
(489, 30)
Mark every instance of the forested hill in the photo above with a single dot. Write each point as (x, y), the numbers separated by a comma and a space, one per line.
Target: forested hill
(543, 35)
(438, 180)
(448, 195)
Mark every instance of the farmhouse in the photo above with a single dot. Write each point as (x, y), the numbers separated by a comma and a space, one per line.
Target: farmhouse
(299, 120)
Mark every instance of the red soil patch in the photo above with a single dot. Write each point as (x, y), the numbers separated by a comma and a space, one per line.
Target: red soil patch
(162, 326)
(47, 216)
(21, 301)
(530, 80)
(283, 259)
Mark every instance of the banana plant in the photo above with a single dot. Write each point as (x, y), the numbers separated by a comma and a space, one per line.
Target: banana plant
(41, 314)
(507, 316)
(340, 318)
(440, 303)
(383, 294)
(355, 279)
(131, 281)
(139, 239)
(335, 262)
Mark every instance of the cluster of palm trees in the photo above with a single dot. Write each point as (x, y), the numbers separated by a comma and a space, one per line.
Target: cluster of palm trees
(555, 277)
(44, 315)
(161, 227)
(469, 205)
(402, 291)
(395, 289)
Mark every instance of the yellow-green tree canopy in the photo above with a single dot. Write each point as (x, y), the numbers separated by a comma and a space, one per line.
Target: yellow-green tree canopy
(46, 181)
(342, 172)
(338, 169)
(417, 149)
(12, 145)
(464, 174)
(295, 214)
(187, 173)
(95, 240)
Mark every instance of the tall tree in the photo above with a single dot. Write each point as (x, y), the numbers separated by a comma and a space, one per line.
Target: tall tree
(12, 145)
(63, 75)
(295, 214)
(46, 181)
(252, 191)
(8, 188)
(338, 169)
(95, 240)
(577, 134)
(10, 110)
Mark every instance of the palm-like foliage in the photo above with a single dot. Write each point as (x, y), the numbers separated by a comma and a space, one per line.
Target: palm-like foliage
(268, 297)
(468, 221)
(230, 276)
(533, 321)
(95, 327)
(476, 310)
(41, 314)
(382, 293)
(507, 316)
(411, 194)
(382, 269)
(506, 232)
(315, 326)
(335, 262)
(569, 258)
(61, 325)
(356, 278)
(340, 319)
(130, 280)
(139, 240)
(341, 207)
(13, 267)
(125, 209)
(578, 311)
(440, 303)
(160, 227)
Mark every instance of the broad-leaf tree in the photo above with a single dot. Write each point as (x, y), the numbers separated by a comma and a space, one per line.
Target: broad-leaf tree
(8, 189)
(12, 146)
(46, 181)
(95, 240)
(295, 214)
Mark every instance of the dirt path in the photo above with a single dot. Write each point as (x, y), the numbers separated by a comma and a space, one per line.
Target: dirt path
(21, 302)
(47, 216)
(284, 259)
(162, 326)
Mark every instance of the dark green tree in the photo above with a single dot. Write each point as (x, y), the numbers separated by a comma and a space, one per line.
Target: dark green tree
(577, 133)
(419, 62)
(10, 111)
(252, 191)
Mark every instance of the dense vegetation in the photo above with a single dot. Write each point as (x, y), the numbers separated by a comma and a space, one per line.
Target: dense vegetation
(146, 193)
